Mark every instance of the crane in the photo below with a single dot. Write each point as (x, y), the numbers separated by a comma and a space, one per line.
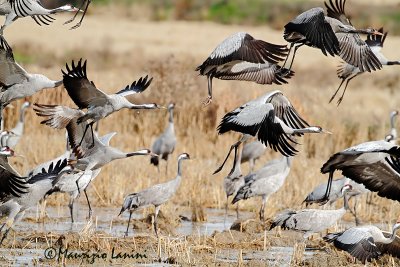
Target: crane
(15, 134)
(241, 57)
(375, 164)
(264, 182)
(347, 72)
(367, 242)
(99, 104)
(156, 195)
(332, 34)
(165, 144)
(16, 82)
(272, 118)
(14, 9)
(310, 221)
(36, 188)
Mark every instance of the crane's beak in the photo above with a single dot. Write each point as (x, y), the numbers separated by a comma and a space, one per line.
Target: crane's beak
(326, 131)
(58, 83)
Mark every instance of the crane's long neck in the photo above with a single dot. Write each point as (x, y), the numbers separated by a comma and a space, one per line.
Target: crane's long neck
(392, 236)
(289, 161)
(392, 120)
(171, 116)
(345, 201)
(307, 130)
(179, 168)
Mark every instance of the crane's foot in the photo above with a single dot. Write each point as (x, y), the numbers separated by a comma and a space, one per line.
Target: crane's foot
(339, 101)
(330, 100)
(76, 26)
(69, 21)
(207, 101)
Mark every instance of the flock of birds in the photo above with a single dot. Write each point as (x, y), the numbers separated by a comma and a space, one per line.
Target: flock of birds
(371, 166)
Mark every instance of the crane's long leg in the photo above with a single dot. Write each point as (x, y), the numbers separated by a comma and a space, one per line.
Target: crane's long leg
(344, 91)
(208, 100)
(261, 214)
(88, 202)
(291, 62)
(155, 220)
(288, 55)
(5, 235)
(166, 167)
(76, 14)
(227, 156)
(226, 210)
(83, 15)
(237, 210)
(337, 90)
(84, 133)
(71, 208)
(127, 228)
(328, 190)
(1, 118)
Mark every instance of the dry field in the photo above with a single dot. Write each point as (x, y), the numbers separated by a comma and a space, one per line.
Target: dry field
(120, 50)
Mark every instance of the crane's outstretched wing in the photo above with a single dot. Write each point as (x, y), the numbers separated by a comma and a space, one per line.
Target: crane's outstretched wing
(286, 112)
(11, 183)
(356, 241)
(60, 117)
(261, 73)
(24, 8)
(336, 11)
(83, 92)
(51, 173)
(10, 72)
(136, 87)
(312, 25)
(356, 52)
(242, 46)
(258, 119)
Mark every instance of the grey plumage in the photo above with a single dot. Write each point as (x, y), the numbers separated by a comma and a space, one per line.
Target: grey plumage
(367, 242)
(264, 182)
(271, 118)
(347, 72)
(36, 188)
(165, 144)
(14, 9)
(374, 164)
(332, 34)
(251, 152)
(15, 82)
(99, 105)
(241, 57)
(15, 134)
(156, 195)
(310, 221)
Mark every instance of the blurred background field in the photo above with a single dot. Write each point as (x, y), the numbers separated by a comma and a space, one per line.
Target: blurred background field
(124, 40)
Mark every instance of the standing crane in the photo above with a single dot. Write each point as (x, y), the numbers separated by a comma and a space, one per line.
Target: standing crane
(332, 34)
(156, 195)
(14, 9)
(251, 152)
(367, 242)
(16, 82)
(91, 154)
(12, 139)
(264, 182)
(241, 57)
(347, 72)
(336, 193)
(35, 189)
(272, 118)
(375, 164)
(99, 104)
(165, 144)
(310, 221)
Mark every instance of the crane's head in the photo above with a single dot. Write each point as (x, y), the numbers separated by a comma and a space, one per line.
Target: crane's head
(346, 188)
(66, 8)
(394, 113)
(6, 151)
(171, 106)
(26, 104)
(183, 156)
(389, 137)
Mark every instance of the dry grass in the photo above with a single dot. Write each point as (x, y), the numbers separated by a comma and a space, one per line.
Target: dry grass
(169, 52)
